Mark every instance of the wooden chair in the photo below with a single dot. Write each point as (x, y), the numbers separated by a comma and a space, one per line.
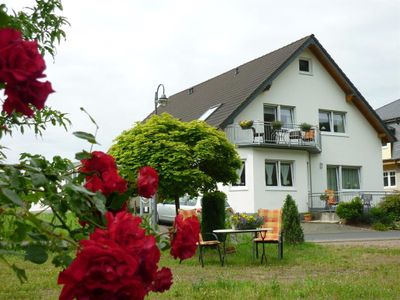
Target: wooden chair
(272, 219)
(213, 243)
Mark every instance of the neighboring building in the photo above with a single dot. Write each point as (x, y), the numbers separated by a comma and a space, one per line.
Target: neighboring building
(390, 114)
(294, 84)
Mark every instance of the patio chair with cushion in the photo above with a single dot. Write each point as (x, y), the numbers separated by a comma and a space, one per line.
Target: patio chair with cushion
(331, 200)
(212, 243)
(272, 219)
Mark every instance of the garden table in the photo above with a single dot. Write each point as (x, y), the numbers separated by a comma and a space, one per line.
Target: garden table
(225, 232)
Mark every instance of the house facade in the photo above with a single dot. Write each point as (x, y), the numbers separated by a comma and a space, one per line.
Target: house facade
(299, 83)
(390, 114)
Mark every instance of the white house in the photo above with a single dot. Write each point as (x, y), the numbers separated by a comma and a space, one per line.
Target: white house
(390, 114)
(299, 83)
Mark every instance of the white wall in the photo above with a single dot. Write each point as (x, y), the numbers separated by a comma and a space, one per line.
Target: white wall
(359, 146)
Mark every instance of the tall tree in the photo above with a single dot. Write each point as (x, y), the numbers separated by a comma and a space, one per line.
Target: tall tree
(191, 157)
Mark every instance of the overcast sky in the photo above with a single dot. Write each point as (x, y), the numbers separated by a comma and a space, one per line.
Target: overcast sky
(117, 53)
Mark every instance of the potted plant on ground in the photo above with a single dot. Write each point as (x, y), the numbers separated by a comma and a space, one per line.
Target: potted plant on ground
(308, 217)
(246, 124)
(276, 125)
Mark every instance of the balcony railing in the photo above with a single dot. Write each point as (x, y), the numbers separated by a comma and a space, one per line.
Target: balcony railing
(263, 134)
(369, 199)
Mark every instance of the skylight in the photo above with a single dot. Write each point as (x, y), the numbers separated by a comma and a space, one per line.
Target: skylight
(209, 112)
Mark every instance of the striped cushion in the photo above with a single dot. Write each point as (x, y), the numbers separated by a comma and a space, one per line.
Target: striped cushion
(272, 219)
(187, 213)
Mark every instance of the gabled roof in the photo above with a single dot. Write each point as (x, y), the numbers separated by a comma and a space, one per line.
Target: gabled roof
(233, 90)
(389, 111)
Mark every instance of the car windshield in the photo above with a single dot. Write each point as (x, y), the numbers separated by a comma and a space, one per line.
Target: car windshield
(186, 200)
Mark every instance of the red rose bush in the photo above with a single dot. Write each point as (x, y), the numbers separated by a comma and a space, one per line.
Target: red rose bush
(21, 65)
(120, 262)
(147, 182)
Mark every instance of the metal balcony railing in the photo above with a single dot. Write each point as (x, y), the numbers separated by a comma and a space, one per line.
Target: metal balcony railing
(316, 202)
(265, 135)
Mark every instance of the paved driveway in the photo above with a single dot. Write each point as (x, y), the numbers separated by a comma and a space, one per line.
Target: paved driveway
(320, 232)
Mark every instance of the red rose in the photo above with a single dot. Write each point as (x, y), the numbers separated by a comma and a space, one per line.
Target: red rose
(103, 174)
(163, 280)
(99, 162)
(147, 182)
(119, 262)
(185, 237)
(20, 66)
(20, 95)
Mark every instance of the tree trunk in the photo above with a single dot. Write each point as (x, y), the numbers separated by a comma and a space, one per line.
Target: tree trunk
(177, 205)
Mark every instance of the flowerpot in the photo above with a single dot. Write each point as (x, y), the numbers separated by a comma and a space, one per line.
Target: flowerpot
(307, 218)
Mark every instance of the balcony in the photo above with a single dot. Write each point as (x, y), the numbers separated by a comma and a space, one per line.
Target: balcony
(262, 134)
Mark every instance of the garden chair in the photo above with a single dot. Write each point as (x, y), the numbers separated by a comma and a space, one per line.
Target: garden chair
(331, 200)
(213, 243)
(272, 219)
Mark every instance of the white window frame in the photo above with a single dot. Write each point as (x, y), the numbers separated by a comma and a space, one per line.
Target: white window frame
(278, 171)
(234, 187)
(278, 111)
(389, 176)
(209, 112)
(331, 123)
(339, 176)
(310, 66)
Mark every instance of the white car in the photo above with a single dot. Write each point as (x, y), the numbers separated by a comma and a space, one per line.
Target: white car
(166, 210)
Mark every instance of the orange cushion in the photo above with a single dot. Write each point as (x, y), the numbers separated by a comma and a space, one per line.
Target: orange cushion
(272, 219)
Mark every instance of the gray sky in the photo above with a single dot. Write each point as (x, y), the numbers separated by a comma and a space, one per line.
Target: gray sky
(116, 55)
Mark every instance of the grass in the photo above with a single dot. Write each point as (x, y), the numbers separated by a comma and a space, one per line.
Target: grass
(308, 271)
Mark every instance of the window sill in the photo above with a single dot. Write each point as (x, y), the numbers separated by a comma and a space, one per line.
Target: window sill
(238, 188)
(306, 73)
(280, 189)
(328, 133)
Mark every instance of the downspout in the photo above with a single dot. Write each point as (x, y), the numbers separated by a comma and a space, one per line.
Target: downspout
(309, 180)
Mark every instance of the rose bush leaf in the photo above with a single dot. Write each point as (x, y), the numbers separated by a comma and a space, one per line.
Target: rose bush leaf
(85, 136)
(36, 254)
(13, 196)
(83, 155)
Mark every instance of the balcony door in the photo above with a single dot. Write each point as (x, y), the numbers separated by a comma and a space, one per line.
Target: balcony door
(270, 115)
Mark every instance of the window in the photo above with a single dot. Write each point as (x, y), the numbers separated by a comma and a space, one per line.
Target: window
(389, 178)
(242, 175)
(278, 173)
(343, 178)
(332, 121)
(209, 112)
(285, 114)
(305, 65)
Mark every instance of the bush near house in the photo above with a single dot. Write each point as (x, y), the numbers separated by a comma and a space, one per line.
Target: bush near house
(292, 231)
(391, 205)
(350, 211)
(213, 212)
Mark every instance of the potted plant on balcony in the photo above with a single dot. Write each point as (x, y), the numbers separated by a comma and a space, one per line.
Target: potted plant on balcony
(309, 133)
(246, 124)
(276, 125)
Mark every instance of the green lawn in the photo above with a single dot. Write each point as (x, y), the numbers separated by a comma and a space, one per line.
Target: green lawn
(309, 271)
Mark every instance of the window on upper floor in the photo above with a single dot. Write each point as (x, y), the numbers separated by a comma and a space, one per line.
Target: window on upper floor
(332, 121)
(389, 178)
(278, 173)
(285, 114)
(305, 66)
(241, 174)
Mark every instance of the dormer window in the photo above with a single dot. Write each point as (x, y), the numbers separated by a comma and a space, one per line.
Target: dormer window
(305, 66)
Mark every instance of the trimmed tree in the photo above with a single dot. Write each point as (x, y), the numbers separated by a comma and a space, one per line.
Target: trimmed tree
(213, 213)
(190, 157)
(292, 231)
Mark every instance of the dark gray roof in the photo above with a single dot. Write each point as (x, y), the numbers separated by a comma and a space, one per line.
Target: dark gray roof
(390, 114)
(234, 89)
(389, 111)
(228, 89)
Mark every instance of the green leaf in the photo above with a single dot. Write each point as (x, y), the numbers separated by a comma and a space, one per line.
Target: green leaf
(85, 136)
(83, 155)
(62, 260)
(20, 273)
(38, 180)
(99, 202)
(36, 254)
(79, 189)
(13, 196)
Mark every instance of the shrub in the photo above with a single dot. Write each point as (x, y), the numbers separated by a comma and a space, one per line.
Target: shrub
(378, 214)
(213, 212)
(350, 211)
(391, 205)
(292, 231)
(379, 226)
